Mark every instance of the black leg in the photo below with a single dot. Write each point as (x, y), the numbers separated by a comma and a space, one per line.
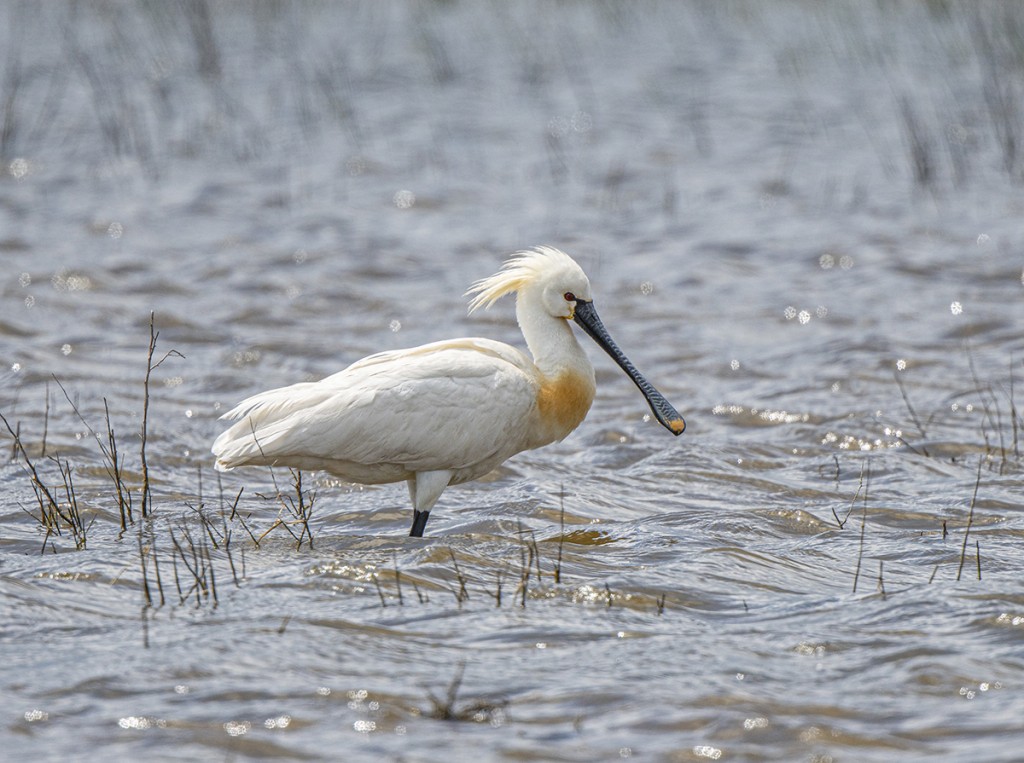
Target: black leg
(419, 522)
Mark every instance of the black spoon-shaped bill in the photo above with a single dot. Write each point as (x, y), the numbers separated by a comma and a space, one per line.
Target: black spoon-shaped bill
(586, 316)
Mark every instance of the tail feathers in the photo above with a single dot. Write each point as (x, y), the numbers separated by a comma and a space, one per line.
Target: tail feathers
(247, 443)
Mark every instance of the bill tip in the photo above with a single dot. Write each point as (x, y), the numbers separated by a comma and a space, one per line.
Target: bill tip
(677, 426)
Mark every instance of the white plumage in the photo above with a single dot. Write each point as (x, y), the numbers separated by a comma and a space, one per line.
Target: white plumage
(447, 412)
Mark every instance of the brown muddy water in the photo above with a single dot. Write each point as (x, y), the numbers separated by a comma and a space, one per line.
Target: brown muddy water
(804, 222)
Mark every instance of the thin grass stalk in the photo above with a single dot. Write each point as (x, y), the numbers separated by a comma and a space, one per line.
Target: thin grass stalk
(147, 594)
(174, 568)
(860, 552)
(913, 416)
(145, 416)
(398, 581)
(156, 566)
(116, 462)
(147, 497)
(46, 420)
(561, 535)
(213, 577)
(970, 521)
(463, 594)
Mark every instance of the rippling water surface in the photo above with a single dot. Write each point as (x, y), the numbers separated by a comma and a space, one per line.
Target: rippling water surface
(803, 222)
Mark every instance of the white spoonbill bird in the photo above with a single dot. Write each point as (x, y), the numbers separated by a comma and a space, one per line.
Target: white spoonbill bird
(447, 412)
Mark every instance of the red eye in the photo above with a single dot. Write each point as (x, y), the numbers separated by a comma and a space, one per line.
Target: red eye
(569, 296)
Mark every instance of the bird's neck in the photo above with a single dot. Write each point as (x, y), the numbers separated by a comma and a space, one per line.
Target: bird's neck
(551, 342)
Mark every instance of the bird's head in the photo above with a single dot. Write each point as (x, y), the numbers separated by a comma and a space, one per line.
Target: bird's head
(543, 274)
(547, 279)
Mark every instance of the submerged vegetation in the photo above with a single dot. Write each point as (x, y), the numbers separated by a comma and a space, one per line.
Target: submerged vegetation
(183, 546)
(180, 547)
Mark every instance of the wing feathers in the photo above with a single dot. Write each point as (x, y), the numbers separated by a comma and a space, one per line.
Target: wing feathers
(448, 405)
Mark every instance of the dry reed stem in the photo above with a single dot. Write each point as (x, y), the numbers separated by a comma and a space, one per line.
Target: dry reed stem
(863, 527)
(970, 521)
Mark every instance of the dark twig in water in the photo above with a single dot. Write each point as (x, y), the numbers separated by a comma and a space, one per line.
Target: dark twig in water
(480, 711)
(913, 416)
(881, 577)
(561, 533)
(116, 471)
(536, 554)
(970, 521)
(865, 479)
(1014, 416)
(863, 527)
(398, 581)
(994, 421)
(462, 594)
(497, 591)
(46, 419)
(977, 552)
(527, 563)
(150, 367)
(444, 710)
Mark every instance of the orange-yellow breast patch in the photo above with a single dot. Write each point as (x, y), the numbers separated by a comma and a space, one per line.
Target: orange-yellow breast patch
(563, 401)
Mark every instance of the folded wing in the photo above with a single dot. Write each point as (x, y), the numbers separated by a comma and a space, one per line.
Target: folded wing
(447, 405)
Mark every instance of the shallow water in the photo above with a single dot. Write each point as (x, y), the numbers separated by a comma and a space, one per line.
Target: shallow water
(802, 223)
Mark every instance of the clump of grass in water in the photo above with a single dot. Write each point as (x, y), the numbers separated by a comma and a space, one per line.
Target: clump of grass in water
(55, 515)
(478, 711)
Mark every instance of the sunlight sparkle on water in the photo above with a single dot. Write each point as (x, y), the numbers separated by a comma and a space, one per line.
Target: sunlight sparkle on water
(707, 751)
(140, 722)
(404, 199)
(18, 168)
(956, 308)
(281, 722)
(237, 728)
